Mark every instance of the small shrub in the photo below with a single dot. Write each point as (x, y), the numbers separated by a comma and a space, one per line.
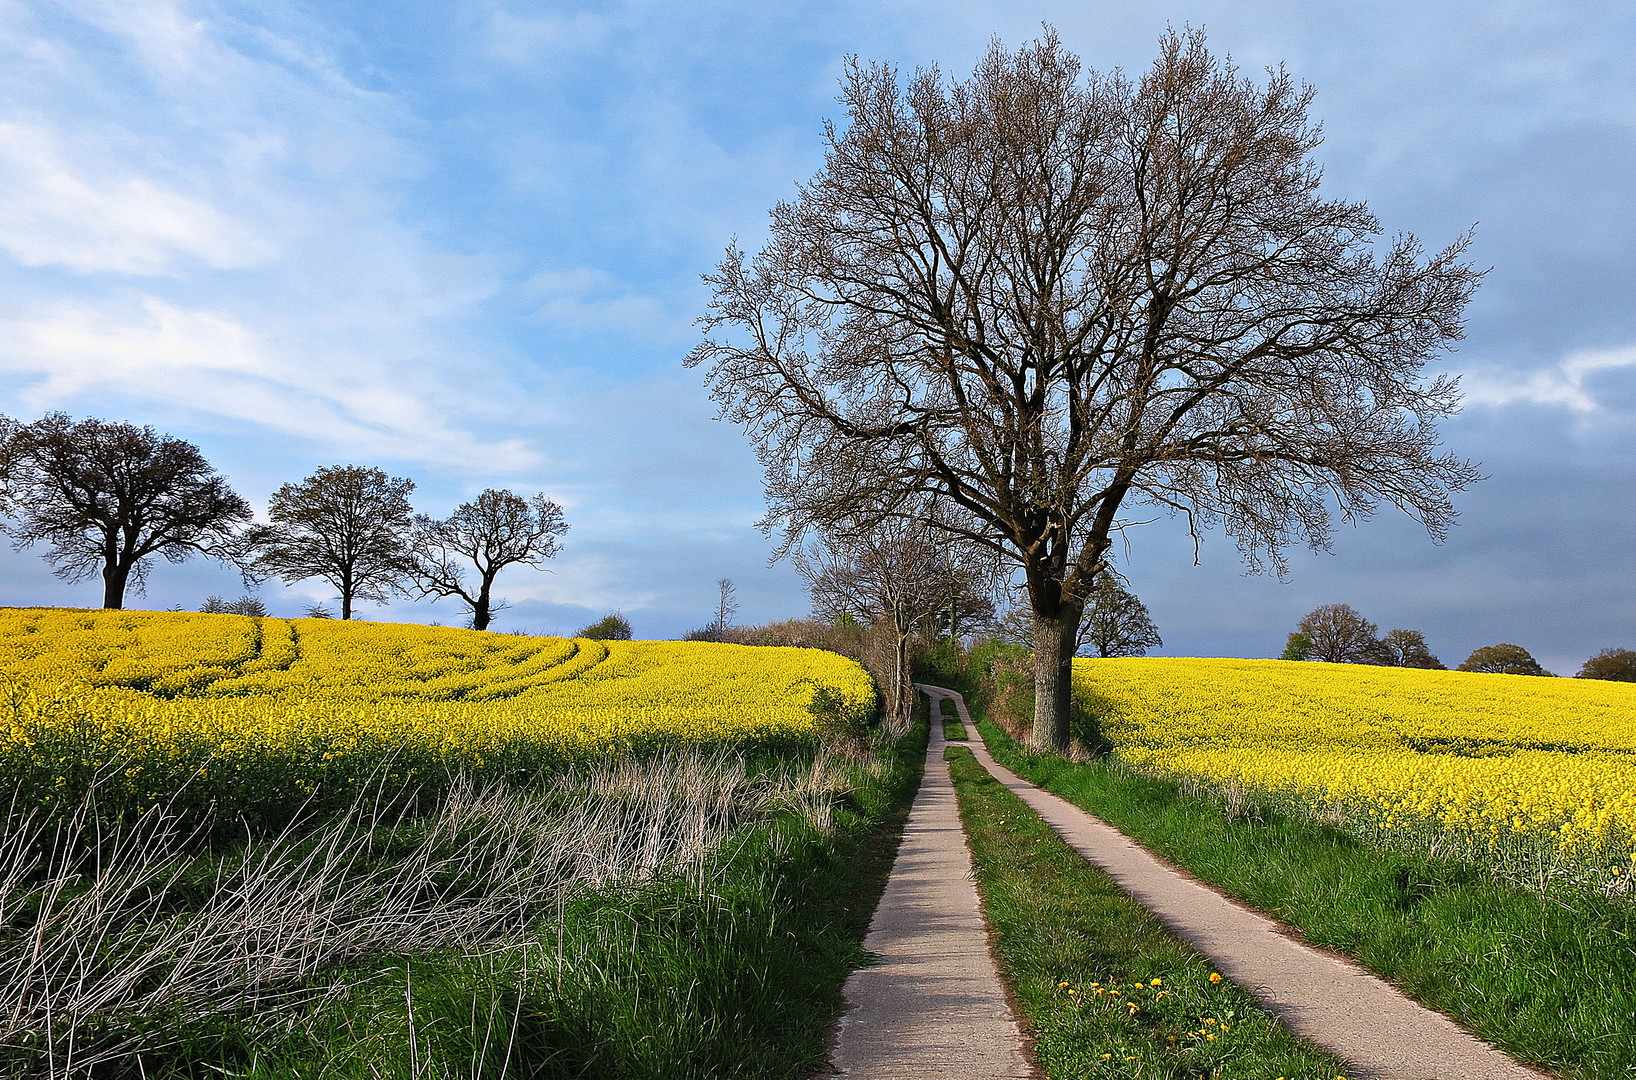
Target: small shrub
(838, 721)
(611, 627)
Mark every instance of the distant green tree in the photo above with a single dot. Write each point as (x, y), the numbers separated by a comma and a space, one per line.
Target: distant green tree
(1615, 665)
(1298, 647)
(611, 627)
(1502, 659)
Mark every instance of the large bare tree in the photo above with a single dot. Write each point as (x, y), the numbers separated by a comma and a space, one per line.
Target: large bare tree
(491, 532)
(1046, 295)
(108, 497)
(1337, 634)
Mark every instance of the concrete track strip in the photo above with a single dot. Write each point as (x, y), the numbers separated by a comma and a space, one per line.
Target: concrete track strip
(1329, 1002)
(934, 1004)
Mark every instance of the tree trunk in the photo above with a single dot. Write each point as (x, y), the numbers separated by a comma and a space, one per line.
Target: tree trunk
(903, 706)
(346, 603)
(114, 577)
(480, 614)
(1055, 638)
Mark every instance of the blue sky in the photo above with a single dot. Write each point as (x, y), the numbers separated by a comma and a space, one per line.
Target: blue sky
(462, 241)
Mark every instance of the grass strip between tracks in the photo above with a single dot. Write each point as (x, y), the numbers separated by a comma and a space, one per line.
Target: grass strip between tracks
(1105, 989)
(1551, 979)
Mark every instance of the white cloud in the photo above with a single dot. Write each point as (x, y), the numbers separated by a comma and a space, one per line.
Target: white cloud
(264, 200)
(211, 363)
(96, 215)
(1567, 383)
(528, 39)
(585, 300)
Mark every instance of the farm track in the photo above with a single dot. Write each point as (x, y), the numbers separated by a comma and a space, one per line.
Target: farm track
(1327, 1001)
(934, 1006)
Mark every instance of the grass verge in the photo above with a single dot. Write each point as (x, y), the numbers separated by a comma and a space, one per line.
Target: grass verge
(1107, 990)
(732, 966)
(953, 729)
(1551, 979)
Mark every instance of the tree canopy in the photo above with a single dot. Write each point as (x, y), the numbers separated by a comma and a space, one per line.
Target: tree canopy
(1502, 659)
(611, 627)
(1616, 665)
(108, 497)
(346, 524)
(1046, 295)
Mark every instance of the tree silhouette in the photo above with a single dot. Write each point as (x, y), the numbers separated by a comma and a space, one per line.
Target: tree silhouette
(1116, 622)
(1407, 648)
(346, 524)
(491, 532)
(108, 497)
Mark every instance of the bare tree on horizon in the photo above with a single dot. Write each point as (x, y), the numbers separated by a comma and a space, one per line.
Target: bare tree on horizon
(491, 532)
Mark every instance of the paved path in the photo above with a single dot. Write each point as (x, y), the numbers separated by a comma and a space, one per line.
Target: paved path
(934, 1004)
(1329, 1002)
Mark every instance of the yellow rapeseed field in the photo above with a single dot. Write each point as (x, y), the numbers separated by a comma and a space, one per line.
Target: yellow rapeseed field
(240, 709)
(1488, 758)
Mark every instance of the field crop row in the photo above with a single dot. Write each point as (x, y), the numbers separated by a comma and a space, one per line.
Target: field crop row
(259, 717)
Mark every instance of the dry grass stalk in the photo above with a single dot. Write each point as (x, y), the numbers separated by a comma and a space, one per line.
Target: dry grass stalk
(103, 927)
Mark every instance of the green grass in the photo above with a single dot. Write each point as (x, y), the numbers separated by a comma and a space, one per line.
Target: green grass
(732, 968)
(1551, 979)
(953, 729)
(1079, 954)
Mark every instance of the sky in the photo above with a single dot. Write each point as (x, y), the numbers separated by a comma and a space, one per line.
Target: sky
(463, 242)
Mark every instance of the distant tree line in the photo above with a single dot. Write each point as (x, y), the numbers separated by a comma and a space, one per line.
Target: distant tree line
(1338, 634)
(107, 498)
